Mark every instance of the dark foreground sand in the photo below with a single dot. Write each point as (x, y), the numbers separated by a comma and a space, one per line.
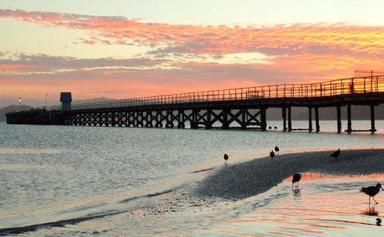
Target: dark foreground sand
(254, 177)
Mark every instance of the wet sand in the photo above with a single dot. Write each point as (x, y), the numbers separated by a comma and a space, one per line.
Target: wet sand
(257, 176)
(327, 206)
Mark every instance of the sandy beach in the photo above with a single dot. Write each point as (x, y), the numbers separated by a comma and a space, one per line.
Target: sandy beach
(259, 175)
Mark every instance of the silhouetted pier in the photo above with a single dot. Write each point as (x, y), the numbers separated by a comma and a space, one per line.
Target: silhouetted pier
(245, 108)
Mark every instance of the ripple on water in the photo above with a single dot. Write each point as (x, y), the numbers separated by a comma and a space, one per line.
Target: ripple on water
(26, 151)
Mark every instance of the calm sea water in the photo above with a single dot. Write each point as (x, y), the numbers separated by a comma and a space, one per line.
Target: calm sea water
(53, 173)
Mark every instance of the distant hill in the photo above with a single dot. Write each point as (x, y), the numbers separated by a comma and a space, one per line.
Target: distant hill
(12, 108)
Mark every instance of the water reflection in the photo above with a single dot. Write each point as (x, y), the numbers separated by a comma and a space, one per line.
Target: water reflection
(296, 194)
(371, 211)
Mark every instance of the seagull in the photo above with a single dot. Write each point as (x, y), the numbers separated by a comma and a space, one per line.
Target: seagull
(296, 178)
(225, 158)
(335, 154)
(272, 154)
(371, 191)
(277, 149)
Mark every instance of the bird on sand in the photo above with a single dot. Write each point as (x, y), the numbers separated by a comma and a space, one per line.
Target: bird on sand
(277, 150)
(335, 154)
(272, 154)
(226, 157)
(296, 178)
(378, 221)
(371, 191)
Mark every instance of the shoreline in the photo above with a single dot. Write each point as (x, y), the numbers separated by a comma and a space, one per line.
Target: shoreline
(256, 176)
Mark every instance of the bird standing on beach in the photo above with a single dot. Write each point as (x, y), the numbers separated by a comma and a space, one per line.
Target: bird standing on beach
(295, 179)
(226, 157)
(371, 191)
(277, 150)
(272, 154)
(335, 154)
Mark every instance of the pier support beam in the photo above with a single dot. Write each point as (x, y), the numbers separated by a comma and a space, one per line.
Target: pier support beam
(140, 117)
(208, 123)
(338, 108)
(149, 119)
(373, 127)
(243, 119)
(317, 119)
(349, 117)
(284, 114)
(289, 119)
(135, 119)
(170, 119)
(225, 123)
(119, 119)
(263, 116)
(194, 124)
(104, 119)
(181, 118)
(157, 118)
(310, 119)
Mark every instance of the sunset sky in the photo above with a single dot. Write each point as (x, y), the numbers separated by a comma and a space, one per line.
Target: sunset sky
(131, 48)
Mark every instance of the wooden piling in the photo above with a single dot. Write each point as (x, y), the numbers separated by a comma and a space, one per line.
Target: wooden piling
(349, 118)
(289, 119)
(243, 119)
(224, 121)
(373, 128)
(310, 119)
(317, 119)
(208, 123)
(338, 109)
(263, 117)
(284, 114)
(194, 121)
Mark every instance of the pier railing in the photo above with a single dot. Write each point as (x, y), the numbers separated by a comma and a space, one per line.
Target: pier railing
(347, 86)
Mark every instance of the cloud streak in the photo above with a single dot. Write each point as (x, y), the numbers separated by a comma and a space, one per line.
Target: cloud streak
(45, 64)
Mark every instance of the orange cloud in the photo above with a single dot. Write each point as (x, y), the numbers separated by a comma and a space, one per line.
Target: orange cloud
(218, 40)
